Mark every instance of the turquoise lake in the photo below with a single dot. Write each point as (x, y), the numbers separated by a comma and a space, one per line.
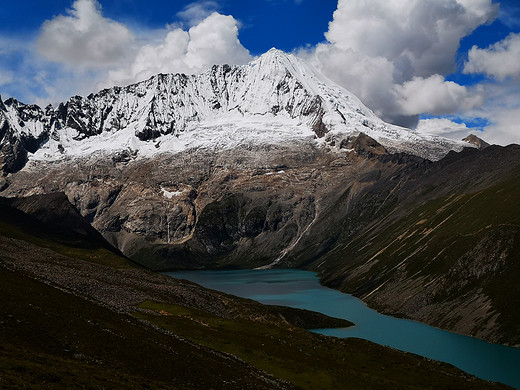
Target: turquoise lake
(301, 289)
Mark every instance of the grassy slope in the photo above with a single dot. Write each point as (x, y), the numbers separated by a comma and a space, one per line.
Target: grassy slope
(52, 339)
(444, 229)
(467, 241)
(309, 360)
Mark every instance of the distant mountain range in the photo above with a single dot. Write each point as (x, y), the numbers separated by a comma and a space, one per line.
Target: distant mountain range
(270, 164)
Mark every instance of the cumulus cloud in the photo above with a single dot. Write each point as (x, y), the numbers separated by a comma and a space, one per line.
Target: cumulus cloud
(504, 129)
(369, 77)
(406, 41)
(501, 111)
(212, 41)
(84, 38)
(89, 42)
(500, 60)
(423, 35)
(196, 12)
(83, 50)
(435, 96)
(495, 120)
(444, 127)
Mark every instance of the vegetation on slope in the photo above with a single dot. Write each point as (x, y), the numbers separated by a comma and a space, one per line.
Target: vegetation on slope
(51, 339)
(433, 251)
(308, 360)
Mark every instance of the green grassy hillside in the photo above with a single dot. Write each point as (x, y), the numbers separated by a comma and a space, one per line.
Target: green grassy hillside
(435, 250)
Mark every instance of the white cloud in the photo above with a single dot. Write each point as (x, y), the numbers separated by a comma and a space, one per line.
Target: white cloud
(500, 60)
(83, 50)
(212, 41)
(404, 41)
(504, 130)
(424, 35)
(196, 12)
(435, 96)
(498, 117)
(501, 110)
(85, 38)
(215, 41)
(445, 128)
(369, 76)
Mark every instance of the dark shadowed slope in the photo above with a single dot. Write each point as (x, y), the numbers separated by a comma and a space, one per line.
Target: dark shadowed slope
(440, 244)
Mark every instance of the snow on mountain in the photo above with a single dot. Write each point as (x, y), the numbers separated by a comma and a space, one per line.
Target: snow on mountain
(276, 98)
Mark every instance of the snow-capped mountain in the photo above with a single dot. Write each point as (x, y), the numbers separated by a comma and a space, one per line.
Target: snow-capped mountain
(276, 98)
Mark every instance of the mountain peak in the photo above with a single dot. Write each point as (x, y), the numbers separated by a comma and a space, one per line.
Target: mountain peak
(278, 58)
(274, 99)
(474, 140)
(272, 52)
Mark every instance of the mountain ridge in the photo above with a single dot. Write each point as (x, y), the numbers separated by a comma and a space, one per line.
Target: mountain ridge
(275, 98)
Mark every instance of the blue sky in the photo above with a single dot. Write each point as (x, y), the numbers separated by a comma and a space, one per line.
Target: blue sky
(287, 24)
(443, 67)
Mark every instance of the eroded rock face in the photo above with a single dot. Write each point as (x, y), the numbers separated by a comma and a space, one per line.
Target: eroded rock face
(13, 155)
(239, 207)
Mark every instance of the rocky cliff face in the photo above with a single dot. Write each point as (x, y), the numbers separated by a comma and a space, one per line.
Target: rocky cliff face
(478, 142)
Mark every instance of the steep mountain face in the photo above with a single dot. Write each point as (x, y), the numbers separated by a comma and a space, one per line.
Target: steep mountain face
(478, 142)
(276, 98)
(439, 243)
(270, 164)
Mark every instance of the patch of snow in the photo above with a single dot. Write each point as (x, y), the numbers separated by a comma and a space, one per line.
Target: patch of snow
(171, 194)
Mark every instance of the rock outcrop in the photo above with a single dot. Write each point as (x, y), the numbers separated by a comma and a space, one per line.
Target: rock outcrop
(478, 142)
